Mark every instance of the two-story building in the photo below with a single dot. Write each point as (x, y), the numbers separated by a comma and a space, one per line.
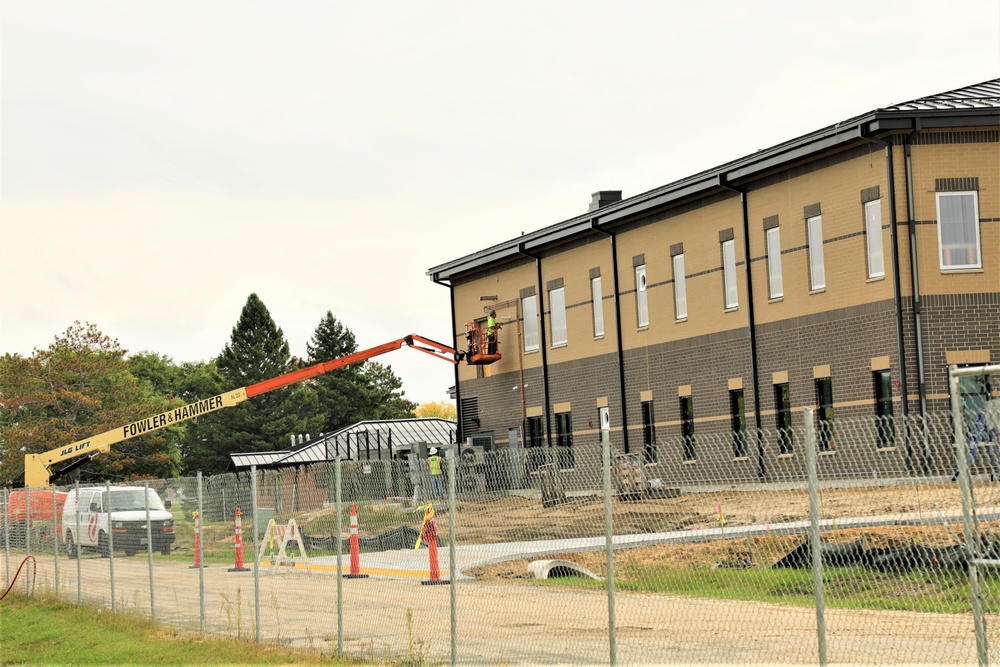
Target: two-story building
(843, 270)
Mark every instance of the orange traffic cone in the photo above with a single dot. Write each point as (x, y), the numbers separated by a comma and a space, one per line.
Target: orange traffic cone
(197, 540)
(238, 521)
(355, 548)
(430, 537)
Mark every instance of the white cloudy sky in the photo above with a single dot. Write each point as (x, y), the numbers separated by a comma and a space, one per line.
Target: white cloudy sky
(163, 160)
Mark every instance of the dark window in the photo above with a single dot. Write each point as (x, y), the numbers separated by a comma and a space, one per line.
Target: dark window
(884, 422)
(824, 414)
(564, 440)
(534, 440)
(975, 391)
(737, 408)
(648, 432)
(783, 417)
(470, 416)
(687, 427)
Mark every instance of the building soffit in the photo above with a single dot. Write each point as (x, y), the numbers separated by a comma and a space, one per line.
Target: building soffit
(972, 106)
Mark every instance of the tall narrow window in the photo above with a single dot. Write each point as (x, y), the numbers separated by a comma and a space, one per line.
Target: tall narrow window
(534, 440)
(873, 237)
(774, 262)
(557, 309)
(680, 289)
(729, 272)
(738, 411)
(884, 423)
(958, 230)
(974, 391)
(598, 297)
(687, 427)
(824, 414)
(648, 432)
(564, 440)
(817, 269)
(640, 296)
(529, 308)
(783, 417)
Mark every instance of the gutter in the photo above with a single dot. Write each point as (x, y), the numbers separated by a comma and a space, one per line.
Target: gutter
(618, 329)
(896, 288)
(542, 345)
(915, 285)
(751, 323)
(459, 434)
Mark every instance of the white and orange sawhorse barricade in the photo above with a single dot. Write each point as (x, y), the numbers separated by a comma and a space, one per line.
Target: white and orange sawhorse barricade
(282, 535)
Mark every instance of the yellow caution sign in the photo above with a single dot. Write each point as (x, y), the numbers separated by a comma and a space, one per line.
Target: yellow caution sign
(428, 515)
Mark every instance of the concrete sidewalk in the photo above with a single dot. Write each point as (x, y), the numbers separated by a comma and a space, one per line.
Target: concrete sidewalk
(409, 563)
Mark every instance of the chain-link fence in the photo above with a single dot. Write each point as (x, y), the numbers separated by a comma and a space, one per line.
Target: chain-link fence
(863, 545)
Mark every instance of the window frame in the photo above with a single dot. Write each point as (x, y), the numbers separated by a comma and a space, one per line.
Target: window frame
(978, 245)
(729, 283)
(817, 260)
(557, 317)
(774, 277)
(873, 236)
(531, 335)
(597, 295)
(680, 287)
(641, 297)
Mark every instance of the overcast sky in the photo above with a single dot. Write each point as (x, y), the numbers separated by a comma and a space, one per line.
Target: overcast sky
(162, 160)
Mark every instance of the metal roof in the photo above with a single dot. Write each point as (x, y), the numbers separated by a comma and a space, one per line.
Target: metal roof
(373, 434)
(976, 105)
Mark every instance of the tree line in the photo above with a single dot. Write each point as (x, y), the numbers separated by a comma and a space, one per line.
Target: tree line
(84, 384)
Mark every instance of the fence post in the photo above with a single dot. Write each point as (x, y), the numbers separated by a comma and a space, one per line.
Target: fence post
(256, 559)
(609, 549)
(815, 548)
(149, 553)
(340, 554)
(111, 540)
(453, 451)
(6, 534)
(971, 536)
(200, 521)
(27, 536)
(55, 539)
(79, 549)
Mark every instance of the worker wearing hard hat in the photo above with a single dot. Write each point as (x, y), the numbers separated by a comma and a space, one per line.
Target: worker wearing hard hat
(437, 479)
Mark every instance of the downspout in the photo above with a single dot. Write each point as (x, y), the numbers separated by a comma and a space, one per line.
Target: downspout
(915, 285)
(541, 344)
(752, 325)
(618, 329)
(896, 288)
(459, 435)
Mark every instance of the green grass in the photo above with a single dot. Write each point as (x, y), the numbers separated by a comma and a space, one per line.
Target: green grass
(38, 631)
(934, 591)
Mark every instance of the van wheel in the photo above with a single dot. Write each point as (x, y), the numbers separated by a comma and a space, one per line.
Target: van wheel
(130, 552)
(165, 551)
(70, 545)
(103, 547)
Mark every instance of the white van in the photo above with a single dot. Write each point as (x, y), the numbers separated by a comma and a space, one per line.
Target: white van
(128, 521)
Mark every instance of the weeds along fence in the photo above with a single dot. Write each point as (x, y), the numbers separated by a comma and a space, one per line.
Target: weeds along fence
(613, 561)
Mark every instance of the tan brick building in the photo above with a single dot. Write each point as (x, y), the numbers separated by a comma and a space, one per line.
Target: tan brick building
(842, 270)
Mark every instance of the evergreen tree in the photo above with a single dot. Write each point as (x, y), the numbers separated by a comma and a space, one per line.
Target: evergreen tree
(257, 351)
(385, 393)
(343, 398)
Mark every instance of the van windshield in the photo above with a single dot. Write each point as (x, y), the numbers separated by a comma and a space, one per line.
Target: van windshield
(133, 499)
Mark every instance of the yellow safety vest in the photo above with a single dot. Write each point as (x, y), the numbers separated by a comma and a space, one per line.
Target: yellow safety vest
(435, 464)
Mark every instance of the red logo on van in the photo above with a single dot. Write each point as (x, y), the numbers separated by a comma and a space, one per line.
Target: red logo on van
(92, 528)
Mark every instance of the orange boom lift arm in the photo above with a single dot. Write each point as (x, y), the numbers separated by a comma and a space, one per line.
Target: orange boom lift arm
(38, 467)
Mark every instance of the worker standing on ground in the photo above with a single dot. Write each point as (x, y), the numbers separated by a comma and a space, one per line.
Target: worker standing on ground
(437, 479)
(491, 333)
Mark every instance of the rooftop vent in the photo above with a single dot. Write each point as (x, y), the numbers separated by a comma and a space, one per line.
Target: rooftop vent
(602, 198)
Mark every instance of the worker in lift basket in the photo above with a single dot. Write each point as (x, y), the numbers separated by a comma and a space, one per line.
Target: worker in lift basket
(491, 333)
(437, 479)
